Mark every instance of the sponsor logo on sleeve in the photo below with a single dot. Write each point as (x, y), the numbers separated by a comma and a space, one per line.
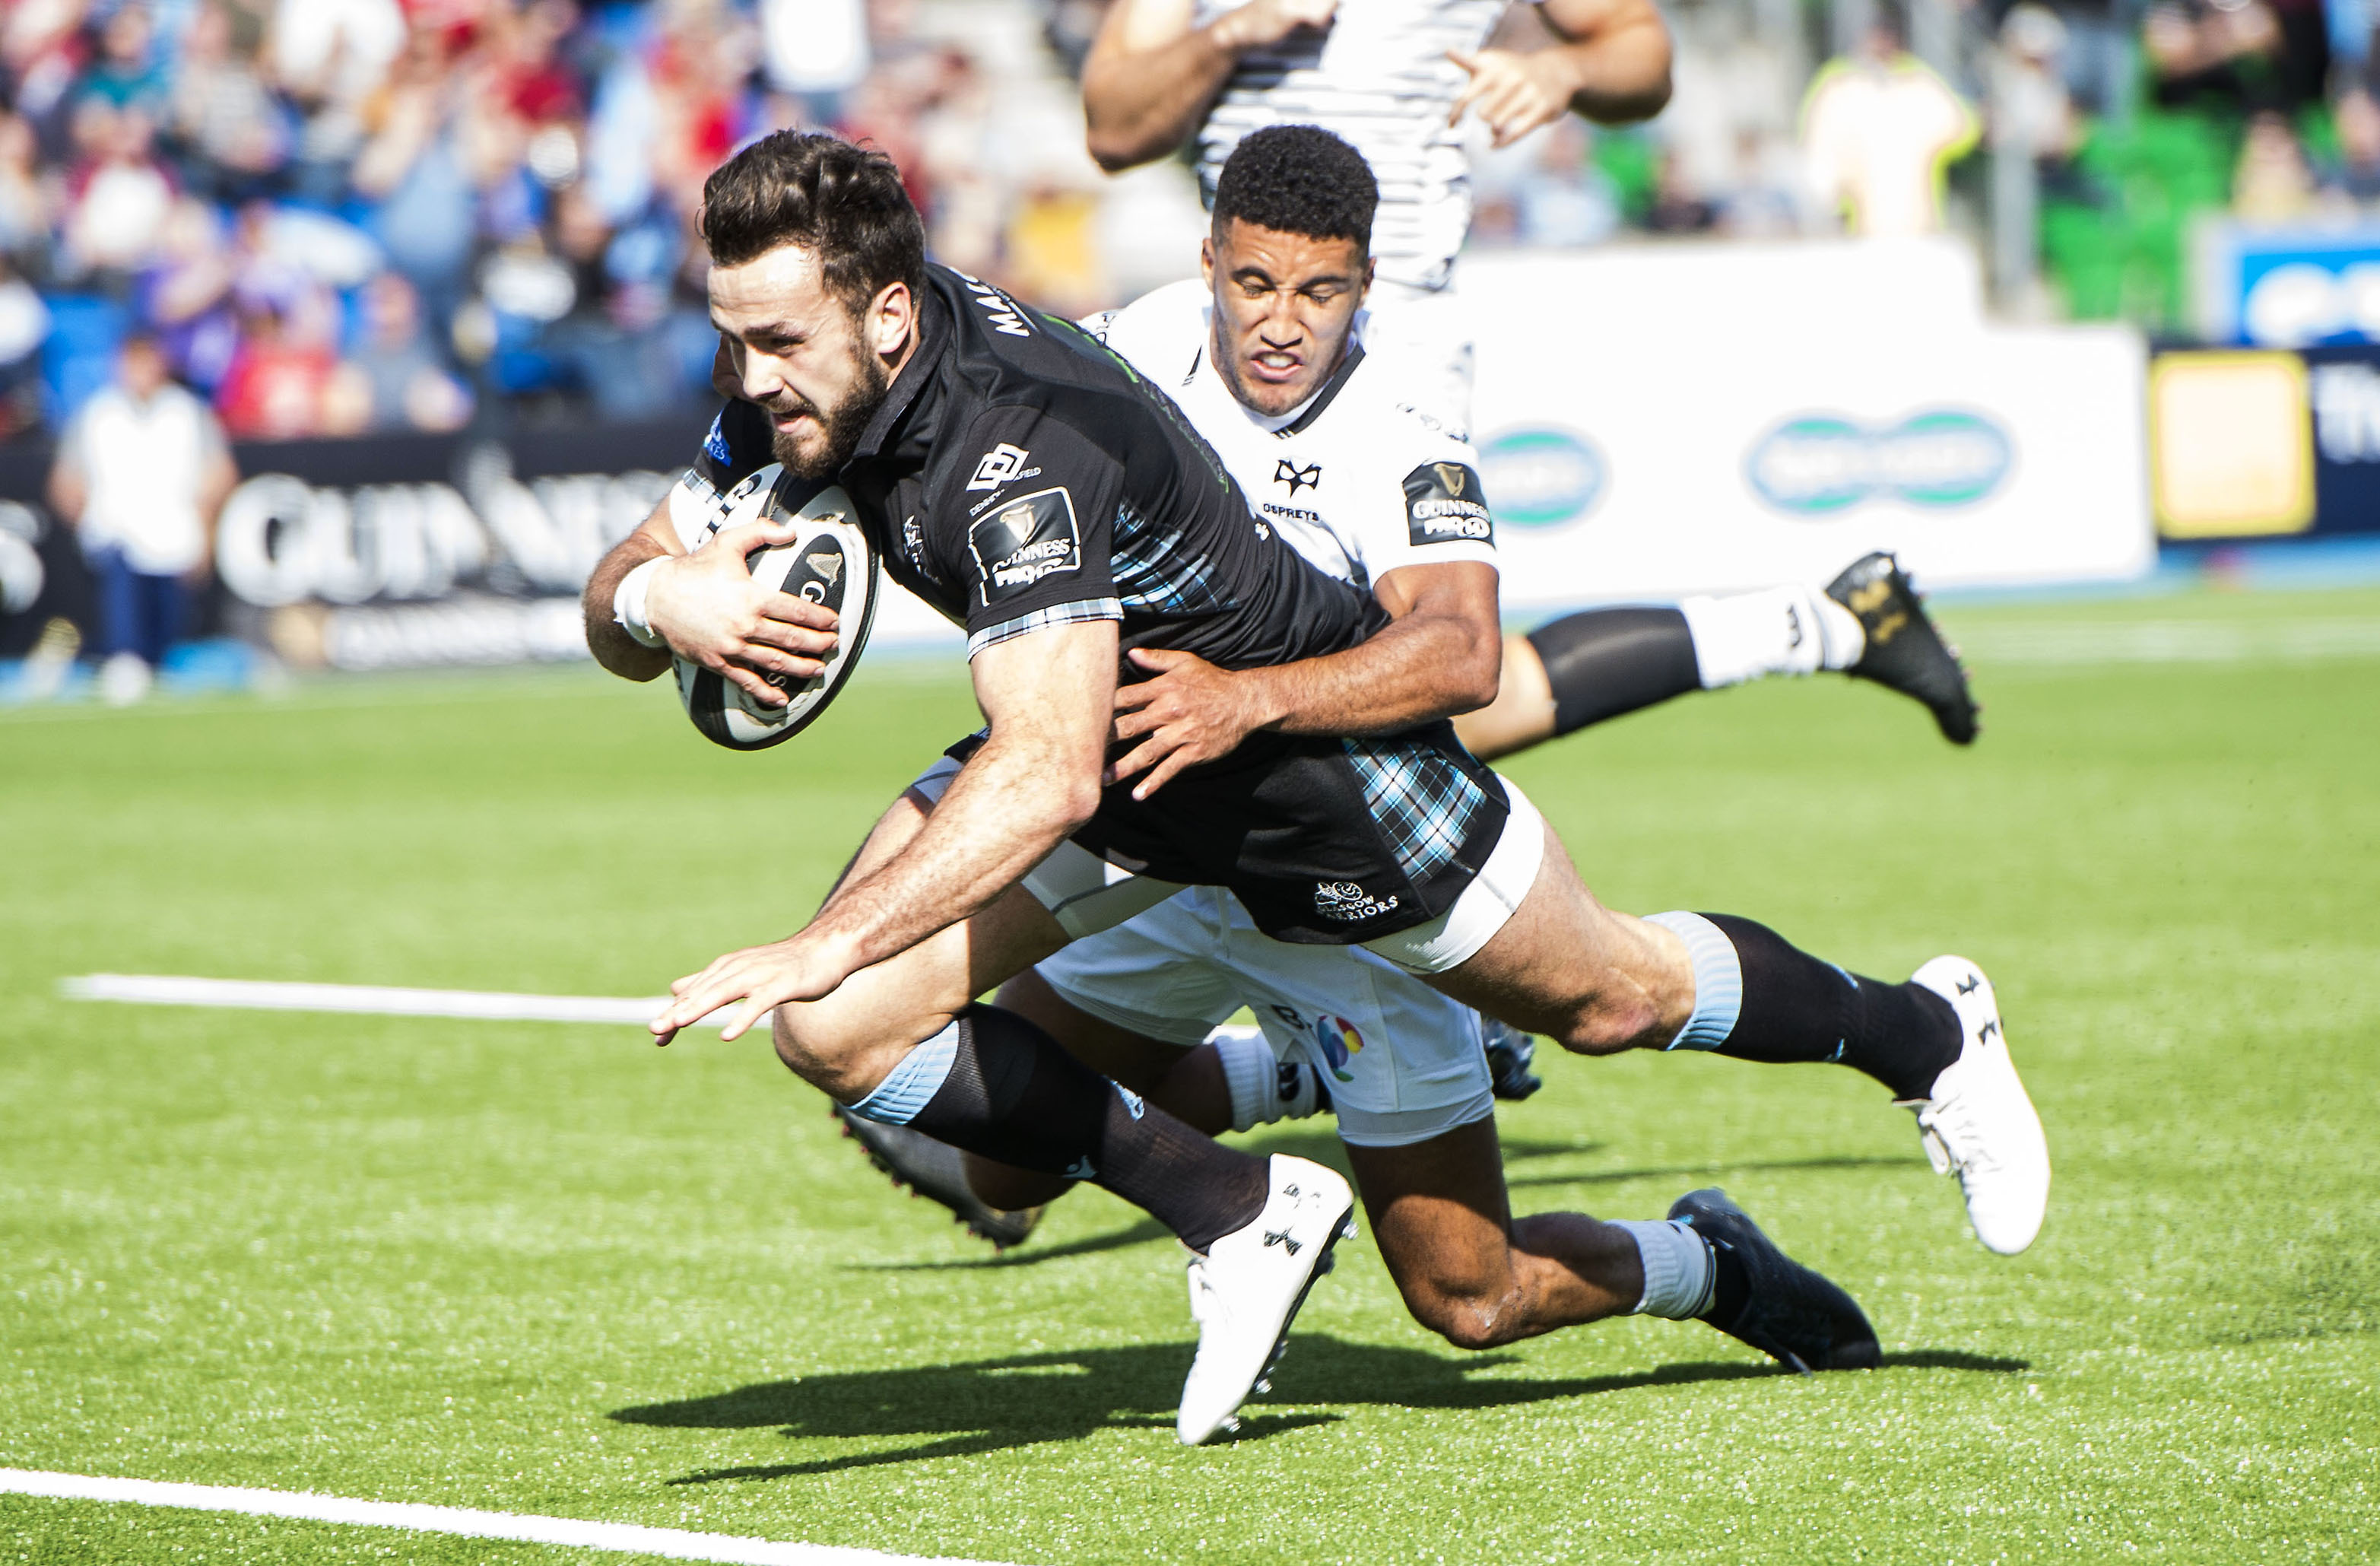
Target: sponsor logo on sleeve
(1003, 464)
(1022, 542)
(1296, 478)
(1444, 504)
(714, 446)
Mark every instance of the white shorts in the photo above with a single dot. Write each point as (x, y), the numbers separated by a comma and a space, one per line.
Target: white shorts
(1402, 1062)
(1087, 894)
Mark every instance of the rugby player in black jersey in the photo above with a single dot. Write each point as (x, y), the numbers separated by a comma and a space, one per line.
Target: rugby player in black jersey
(1287, 259)
(1030, 487)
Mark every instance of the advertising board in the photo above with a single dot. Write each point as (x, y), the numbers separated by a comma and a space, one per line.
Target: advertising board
(2290, 287)
(1695, 453)
(2247, 444)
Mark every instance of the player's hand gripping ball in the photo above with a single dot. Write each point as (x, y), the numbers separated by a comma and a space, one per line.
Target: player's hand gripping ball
(830, 562)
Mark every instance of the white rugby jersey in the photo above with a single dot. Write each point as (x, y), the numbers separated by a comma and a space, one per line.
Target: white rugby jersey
(1355, 480)
(1378, 77)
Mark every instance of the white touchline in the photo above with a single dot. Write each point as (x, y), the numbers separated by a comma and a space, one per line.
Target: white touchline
(676, 1544)
(267, 995)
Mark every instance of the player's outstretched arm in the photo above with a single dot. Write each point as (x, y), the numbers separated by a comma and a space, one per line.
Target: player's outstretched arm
(1610, 63)
(1438, 656)
(1034, 781)
(1150, 75)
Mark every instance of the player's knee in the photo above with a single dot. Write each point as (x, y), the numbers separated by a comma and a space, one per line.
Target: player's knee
(1469, 1314)
(822, 1053)
(1469, 1321)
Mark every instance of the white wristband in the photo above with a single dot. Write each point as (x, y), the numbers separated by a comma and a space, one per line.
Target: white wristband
(629, 604)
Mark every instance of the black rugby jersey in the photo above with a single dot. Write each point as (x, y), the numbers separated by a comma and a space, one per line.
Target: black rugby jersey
(1019, 475)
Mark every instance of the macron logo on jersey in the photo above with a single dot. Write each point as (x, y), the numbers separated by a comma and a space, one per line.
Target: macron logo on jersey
(1005, 316)
(1003, 464)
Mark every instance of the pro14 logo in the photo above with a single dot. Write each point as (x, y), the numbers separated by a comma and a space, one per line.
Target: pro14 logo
(1020, 543)
(1443, 503)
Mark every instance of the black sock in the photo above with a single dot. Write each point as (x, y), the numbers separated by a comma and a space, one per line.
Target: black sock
(1797, 1008)
(1608, 661)
(1012, 1093)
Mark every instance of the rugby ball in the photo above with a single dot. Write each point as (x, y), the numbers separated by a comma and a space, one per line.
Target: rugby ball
(831, 563)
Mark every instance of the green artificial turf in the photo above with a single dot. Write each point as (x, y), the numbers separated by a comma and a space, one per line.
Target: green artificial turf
(547, 1269)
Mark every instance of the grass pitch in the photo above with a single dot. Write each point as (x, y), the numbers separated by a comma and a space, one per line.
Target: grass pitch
(547, 1269)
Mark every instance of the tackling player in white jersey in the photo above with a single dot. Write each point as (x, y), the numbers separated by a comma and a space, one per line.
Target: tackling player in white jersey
(1401, 1063)
(1394, 78)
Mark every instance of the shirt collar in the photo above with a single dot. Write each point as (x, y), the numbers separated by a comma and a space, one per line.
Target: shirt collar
(934, 334)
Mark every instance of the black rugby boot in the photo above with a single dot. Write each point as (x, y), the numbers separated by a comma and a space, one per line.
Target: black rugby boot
(1509, 1054)
(936, 1171)
(1905, 652)
(1787, 1312)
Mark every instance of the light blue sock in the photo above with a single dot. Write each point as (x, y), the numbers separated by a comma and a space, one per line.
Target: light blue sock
(1719, 980)
(910, 1086)
(1678, 1272)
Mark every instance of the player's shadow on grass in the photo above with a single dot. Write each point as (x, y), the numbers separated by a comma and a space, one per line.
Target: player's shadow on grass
(1029, 1400)
(1139, 1233)
(1708, 1171)
(1956, 1359)
(1148, 1230)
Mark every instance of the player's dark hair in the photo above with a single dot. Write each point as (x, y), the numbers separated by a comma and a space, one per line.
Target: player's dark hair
(844, 203)
(1298, 179)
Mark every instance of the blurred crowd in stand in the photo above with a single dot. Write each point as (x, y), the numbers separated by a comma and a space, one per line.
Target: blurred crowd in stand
(343, 216)
(2136, 118)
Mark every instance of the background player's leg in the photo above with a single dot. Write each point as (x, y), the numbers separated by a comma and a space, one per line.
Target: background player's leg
(1575, 672)
(1467, 1271)
(1578, 671)
(1471, 1274)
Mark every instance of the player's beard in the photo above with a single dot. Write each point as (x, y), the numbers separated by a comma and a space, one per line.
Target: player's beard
(838, 427)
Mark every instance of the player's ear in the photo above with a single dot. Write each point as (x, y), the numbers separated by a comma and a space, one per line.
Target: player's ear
(1207, 258)
(890, 316)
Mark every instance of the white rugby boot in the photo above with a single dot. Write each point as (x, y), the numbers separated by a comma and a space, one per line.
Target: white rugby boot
(1244, 1292)
(1978, 1120)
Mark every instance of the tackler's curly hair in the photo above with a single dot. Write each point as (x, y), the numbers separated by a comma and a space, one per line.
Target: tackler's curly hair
(1298, 179)
(844, 204)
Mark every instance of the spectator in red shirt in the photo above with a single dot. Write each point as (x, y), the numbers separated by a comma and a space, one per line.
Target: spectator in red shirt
(274, 390)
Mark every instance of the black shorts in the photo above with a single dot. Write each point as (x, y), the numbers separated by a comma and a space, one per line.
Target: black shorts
(1327, 842)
